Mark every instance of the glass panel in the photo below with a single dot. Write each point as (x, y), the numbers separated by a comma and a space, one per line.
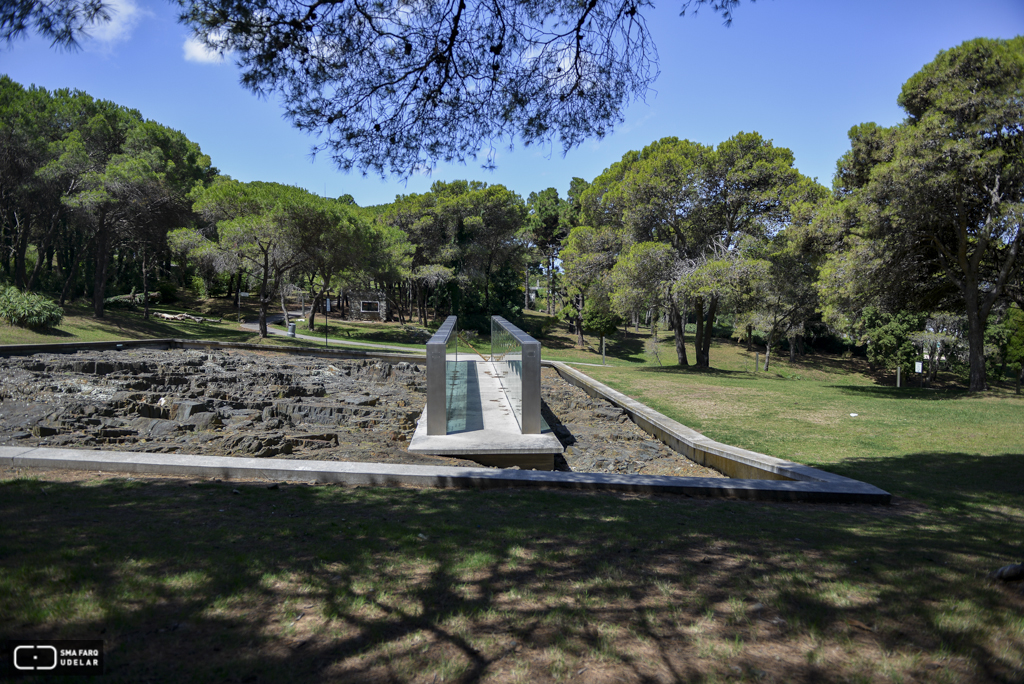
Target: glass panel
(455, 384)
(507, 359)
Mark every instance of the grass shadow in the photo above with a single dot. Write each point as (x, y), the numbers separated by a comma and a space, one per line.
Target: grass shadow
(692, 370)
(52, 332)
(219, 581)
(948, 480)
(904, 394)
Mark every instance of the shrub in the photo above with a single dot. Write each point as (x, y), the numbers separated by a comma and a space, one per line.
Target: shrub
(130, 301)
(27, 310)
(198, 287)
(168, 291)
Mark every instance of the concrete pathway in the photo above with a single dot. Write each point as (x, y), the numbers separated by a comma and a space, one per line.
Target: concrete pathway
(482, 427)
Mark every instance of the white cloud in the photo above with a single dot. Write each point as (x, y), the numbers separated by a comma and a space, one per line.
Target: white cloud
(195, 51)
(124, 17)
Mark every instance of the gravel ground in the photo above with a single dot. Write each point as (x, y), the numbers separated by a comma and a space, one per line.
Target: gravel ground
(276, 406)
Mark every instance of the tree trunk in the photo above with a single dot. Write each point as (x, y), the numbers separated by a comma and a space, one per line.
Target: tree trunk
(284, 308)
(580, 342)
(72, 272)
(933, 363)
(102, 252)
(394, 303)
(750, 337)
(487, 289)
(526, 297)
(792, 349)
(145, 286)
(709, 325)
(45, 254)
(264, 307)
(264, 297)
(677, 322)
(20, 252)
(976, 340)
(768, 348)
(313, 306)
(551, 279)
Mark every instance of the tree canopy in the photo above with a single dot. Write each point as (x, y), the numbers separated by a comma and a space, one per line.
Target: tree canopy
(63, 22)
(393, 87)
(931, 209)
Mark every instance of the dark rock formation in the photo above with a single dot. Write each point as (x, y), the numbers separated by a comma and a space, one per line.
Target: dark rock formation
(277, 406)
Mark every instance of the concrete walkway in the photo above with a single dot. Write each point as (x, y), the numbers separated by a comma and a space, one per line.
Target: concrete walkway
(482, 427)
(277, 318)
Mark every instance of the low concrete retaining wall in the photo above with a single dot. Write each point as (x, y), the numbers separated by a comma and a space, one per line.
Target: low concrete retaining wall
(732, 461)
(380, 474)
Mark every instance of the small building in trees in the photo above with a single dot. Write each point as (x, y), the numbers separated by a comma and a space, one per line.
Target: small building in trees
(367, 305)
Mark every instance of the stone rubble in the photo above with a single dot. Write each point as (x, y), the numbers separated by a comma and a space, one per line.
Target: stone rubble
(266, 405)
(599, 437)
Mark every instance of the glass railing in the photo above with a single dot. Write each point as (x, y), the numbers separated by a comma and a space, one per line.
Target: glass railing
(516, 360)
(446, 381)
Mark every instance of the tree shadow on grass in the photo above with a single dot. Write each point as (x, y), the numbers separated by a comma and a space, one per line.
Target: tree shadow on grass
(905, 393)
(948, 480)
(238, 582)
(830, 364)
(134, 326)
(53, 332)
(693, 370)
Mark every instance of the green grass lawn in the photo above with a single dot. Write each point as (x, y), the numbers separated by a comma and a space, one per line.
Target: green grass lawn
(192, 581)
(80, 326)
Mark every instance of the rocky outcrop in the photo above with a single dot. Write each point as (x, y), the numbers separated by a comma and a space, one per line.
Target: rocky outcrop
(237, 403)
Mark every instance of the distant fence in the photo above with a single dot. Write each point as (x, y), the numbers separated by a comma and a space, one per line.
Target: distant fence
(516, 359)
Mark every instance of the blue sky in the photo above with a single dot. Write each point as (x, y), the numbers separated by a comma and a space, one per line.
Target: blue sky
(799, 72)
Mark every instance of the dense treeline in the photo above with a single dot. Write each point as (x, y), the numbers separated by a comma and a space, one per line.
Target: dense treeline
(914, 251)
(88, 192)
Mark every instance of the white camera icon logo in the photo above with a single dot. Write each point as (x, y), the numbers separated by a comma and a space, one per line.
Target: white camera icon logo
(35, 658)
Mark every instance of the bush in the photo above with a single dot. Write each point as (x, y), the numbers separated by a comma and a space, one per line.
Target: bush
(168, 291)
(27, 310)
(198, 287)
(130, 301)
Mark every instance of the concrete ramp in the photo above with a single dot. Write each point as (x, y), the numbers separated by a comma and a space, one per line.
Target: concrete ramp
(483, 428)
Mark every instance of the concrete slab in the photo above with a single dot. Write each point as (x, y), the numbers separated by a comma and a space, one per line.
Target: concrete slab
(379, 474)
(483, 428)
(733, 461)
